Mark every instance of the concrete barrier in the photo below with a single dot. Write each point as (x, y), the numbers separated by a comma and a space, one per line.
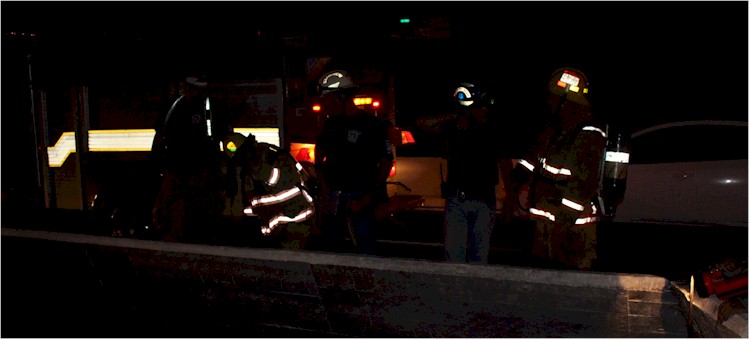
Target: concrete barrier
(137, 288)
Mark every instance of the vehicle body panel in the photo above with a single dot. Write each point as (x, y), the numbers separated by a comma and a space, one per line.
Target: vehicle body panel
(687, 192)
(689, 173)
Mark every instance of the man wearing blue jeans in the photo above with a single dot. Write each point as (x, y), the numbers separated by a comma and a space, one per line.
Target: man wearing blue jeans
(473, 174)
(468, 227)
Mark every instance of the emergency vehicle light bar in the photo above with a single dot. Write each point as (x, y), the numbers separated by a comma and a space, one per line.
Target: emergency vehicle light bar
(129, 140)
(363, 101)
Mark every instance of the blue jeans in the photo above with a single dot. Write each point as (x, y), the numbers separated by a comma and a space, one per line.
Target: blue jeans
(467, 228)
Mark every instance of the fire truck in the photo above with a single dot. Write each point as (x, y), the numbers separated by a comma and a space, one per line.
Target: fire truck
(106, 139)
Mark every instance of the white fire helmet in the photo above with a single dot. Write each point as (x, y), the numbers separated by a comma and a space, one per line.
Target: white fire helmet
(335, 81)
(468, 94)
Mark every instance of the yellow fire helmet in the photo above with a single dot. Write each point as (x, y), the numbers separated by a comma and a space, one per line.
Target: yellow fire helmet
(570, 84)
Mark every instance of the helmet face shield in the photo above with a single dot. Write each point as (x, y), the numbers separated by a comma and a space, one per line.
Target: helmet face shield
(570, 84)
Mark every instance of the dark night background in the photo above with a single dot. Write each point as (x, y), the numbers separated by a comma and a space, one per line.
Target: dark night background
(647, 61)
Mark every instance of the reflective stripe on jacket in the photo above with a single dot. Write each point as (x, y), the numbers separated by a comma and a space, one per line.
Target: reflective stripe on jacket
(274, 187)
(567, 178)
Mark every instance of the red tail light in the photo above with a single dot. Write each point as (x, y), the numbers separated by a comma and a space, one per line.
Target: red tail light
(375, 103)
(393, 169)
(316, 108)
(406, 137)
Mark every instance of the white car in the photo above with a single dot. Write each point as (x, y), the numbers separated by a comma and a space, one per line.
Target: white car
(688, 173)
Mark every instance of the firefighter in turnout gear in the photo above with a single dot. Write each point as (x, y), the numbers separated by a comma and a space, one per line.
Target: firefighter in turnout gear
(274, 191)
(562, 176)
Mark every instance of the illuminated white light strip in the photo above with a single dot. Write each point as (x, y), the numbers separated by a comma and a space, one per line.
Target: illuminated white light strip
(526, 164)
(617, 157)
(298, 166)
(594, 128)
(121, 140)
(249, 211)
(59, 153)
(128, 140)
(266, 135)
(542, 213)
(572, 205)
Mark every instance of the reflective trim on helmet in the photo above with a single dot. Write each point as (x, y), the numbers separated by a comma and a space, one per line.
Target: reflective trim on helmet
(463, 95)
(569, 78)
(335, 80)
(594, 128)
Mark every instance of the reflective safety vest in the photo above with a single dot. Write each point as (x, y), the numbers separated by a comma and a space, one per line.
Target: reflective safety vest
(567, 177)
(274, 186)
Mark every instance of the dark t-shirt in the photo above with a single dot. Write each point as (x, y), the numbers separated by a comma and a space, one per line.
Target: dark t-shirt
(472, 158)
(353, 147)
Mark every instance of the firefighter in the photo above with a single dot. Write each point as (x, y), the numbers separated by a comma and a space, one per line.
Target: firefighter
(353, 157)
(561, 176)
(189, 159)
(274, 192)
